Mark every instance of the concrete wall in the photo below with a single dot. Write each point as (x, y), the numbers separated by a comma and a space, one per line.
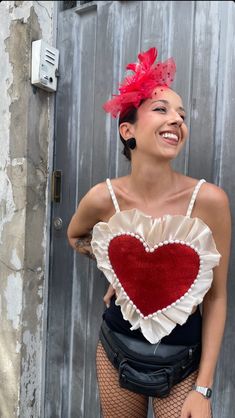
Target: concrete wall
(26, 130)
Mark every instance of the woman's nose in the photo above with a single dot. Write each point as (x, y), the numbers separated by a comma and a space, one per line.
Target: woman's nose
(176, 119)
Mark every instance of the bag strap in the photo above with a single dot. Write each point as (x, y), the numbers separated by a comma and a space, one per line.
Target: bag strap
(112, 351)
(129, 347)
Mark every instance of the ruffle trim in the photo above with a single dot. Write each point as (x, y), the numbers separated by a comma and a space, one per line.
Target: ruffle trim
(155, 232)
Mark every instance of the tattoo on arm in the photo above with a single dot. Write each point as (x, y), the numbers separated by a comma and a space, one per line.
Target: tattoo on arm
(84, 246)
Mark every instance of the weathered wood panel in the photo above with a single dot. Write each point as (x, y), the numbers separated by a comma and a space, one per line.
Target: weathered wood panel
(224, 174)
(84, 75)
(184, 57)
(204, 88)
(96, 41)
(60, 289)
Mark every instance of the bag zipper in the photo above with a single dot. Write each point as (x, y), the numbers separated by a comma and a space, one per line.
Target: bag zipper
(125, 379)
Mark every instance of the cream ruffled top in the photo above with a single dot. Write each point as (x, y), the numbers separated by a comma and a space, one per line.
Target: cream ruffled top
(160, 268)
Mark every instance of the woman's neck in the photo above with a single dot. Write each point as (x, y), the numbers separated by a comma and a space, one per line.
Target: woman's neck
(151, 180)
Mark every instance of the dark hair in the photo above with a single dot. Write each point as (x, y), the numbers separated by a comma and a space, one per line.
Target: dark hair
(131, 117)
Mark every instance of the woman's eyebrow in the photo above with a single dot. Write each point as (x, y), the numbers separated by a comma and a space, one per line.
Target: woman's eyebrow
(166, 102)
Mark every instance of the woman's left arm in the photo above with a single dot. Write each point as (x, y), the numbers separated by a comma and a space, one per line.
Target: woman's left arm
(216, 214)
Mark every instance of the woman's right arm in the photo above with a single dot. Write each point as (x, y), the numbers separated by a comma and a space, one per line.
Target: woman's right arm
(91, 209)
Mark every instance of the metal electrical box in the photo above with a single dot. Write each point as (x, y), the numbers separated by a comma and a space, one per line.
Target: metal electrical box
(45, 61)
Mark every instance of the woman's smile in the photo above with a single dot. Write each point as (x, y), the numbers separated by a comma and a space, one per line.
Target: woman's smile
(170, 137)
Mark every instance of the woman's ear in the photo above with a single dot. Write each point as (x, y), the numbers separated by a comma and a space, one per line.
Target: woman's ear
(126, 130)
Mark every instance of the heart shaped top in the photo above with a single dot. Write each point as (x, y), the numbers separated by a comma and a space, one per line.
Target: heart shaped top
(153, 280)
(160, 268)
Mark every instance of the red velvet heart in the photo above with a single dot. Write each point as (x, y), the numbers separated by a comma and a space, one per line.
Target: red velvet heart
(153, 280)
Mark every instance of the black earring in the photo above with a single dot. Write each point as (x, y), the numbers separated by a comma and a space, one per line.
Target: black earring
(131, 143)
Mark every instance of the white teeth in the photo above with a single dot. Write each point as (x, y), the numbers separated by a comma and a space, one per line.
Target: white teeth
(170, 135)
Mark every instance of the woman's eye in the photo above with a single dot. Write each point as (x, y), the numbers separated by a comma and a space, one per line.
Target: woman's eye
(164, 110)
(160, 109)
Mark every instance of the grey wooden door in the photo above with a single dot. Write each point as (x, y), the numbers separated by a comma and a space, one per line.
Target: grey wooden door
(96, 40)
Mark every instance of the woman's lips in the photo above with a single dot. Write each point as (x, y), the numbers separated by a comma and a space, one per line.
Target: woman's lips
(171, 141)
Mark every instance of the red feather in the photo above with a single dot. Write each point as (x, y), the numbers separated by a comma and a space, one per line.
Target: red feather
(138, 86)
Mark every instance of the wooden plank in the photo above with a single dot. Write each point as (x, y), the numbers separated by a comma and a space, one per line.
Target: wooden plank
(224, 174)
(204, 89)
(155, 28)
(60, 287)
(84, 79)
(104, 149)
(103, 87)
(162, 27)
(130, 35)
(180, 47)
(92, 284)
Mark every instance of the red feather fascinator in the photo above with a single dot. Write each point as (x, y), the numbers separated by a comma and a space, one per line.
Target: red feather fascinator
(139, 86)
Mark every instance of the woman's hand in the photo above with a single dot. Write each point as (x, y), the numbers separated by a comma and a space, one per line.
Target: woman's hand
(108, 295)
(196, 406)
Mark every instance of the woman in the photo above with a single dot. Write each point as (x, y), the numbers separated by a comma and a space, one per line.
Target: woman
(176, 220)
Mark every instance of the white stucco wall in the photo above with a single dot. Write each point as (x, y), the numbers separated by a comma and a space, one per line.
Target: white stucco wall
(26, 128)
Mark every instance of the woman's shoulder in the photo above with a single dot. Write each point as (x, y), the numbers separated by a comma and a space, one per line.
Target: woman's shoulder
(101, 191)
(209, 193)
(99, 196)
(211, 201)
(213, 196)
(118, 185)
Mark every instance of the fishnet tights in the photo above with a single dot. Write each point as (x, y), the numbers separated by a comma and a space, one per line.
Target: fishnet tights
(171, 406)
(117, 402)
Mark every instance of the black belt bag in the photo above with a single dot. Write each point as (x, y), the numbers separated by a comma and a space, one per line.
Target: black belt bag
(149, 369)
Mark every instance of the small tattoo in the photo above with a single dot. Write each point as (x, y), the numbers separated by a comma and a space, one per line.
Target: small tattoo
(81, 243)
(84, 246)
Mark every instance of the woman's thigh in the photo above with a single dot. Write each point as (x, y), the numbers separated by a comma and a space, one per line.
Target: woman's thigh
(116, 402)
(171, 406)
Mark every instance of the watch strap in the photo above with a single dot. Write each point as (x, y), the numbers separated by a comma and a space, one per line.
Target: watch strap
(205, 391)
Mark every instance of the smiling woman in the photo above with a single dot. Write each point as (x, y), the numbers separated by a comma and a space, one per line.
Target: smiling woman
(158, 123)
(158, 237)
(131, 117)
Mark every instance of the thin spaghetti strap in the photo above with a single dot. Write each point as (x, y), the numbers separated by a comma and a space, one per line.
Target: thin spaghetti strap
(193, 198)
(112, 194)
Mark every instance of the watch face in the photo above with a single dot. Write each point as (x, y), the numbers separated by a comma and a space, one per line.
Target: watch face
(208, 393)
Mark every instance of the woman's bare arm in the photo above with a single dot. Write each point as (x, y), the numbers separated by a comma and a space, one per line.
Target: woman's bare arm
(91, 209)
(215, 301)
(216, 213)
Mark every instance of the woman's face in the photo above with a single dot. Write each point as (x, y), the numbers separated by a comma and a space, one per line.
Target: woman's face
(160, 129)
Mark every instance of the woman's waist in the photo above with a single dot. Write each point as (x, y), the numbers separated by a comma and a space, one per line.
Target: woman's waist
(188, 333)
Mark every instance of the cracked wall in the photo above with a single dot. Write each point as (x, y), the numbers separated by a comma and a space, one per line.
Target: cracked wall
(26, 120)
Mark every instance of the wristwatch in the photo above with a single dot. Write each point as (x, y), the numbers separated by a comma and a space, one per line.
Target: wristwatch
(206, 392)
